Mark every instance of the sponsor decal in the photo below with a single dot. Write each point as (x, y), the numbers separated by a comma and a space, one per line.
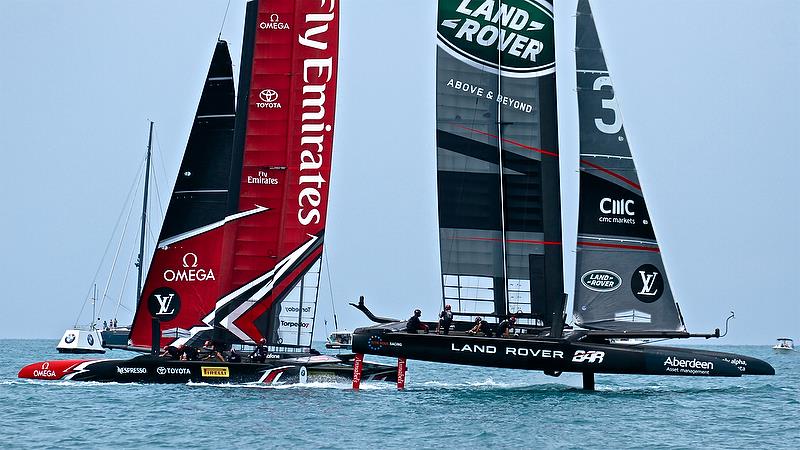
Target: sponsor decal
(647, 283)
(131, 370)
(688, 366)
(69, 339)
(286, 323)
(173, 371)
(214, 372)
(274, 23)
(375, 343)
(512, 351)
(617, 211)
(262, 177)
(269, 99)
(189, 272)
(164, 304)
(489, 95)
(90, 339)
(588, 356)
(306, 309)
(740, 363)
(272, 356)
(601, 280)
(317, 72)
(474, 30)
(45, 371)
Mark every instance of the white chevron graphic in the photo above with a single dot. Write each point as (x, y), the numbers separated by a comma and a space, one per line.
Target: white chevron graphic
(275, 274)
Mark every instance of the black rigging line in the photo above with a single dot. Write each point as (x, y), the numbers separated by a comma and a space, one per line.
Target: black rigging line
(224, 18)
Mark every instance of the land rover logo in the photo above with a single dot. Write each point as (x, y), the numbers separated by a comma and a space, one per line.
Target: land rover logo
(164, 304)
(69, 339)
(601, 280)
(468, 30)
(647, 283)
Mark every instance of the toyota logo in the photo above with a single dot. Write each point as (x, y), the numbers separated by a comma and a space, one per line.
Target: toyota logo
(268, 95)
(161, 370)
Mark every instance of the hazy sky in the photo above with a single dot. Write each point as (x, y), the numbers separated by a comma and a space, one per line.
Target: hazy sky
(708, 89)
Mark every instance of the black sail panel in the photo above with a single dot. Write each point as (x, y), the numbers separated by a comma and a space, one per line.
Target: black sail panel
(499, 208)
(200, 196)
(621, 283)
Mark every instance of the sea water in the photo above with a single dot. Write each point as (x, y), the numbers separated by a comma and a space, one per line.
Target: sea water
(443, 406)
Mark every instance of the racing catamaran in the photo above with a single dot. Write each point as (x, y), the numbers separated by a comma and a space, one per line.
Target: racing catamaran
(239, 253)
(500, 215)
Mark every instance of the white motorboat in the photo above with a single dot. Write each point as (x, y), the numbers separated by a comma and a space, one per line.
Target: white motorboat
(340, 339)
(784, 344)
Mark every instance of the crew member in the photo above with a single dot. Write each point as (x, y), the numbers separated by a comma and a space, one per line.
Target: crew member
(189, 353)
(172, 352)
(214, 350)
(234, 356)
(260, 353)
(504, 328)
(414, 324)
(445, 320)
(481, 326)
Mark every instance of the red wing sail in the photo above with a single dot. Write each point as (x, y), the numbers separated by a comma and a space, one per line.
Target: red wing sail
(185, 275)
(268, 249)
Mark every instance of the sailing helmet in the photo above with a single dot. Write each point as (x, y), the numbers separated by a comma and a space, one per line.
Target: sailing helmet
(478, 319)
(447, 307)
(417, 312)
(262, 341)
(512, 319)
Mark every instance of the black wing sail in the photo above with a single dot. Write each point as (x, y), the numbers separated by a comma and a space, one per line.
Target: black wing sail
(200, 196)
(621, 283)
(497, 158)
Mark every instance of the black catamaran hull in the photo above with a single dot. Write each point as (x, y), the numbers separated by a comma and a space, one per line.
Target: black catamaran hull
(150, 369)
(553, 355)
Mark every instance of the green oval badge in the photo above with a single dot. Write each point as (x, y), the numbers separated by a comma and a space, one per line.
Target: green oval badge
(518, 33)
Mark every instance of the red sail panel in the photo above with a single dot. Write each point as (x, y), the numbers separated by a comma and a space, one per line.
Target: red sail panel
(287, 154)
(267, 248)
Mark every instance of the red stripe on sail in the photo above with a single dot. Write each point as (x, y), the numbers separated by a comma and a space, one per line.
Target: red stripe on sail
(624, 246)
(613, 174)
(509, 141)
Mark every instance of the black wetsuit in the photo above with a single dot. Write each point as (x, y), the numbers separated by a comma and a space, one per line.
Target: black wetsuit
(190, 352)
(259, 354)
(485, 328)
(413, 324)
(445, 320)
(234, 357)
(173, 352)
(503, 327)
